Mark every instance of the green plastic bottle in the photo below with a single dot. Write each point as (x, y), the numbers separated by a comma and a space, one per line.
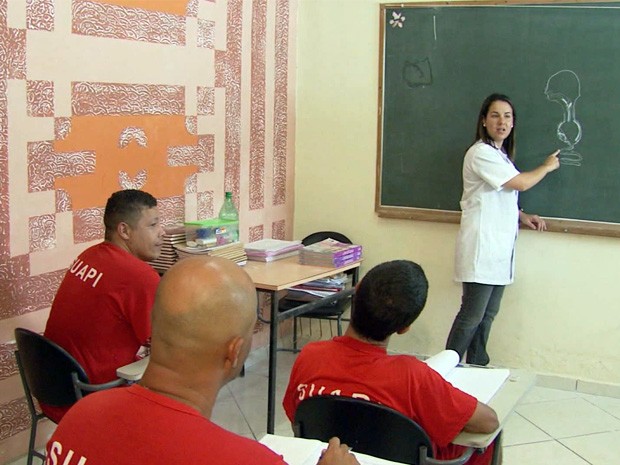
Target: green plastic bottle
(229, 212)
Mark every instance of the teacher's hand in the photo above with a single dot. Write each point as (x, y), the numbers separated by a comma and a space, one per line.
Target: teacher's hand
(533, 221)
(552, 162)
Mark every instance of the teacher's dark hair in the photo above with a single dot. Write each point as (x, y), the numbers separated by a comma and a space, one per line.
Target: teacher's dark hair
(389, 298)
(509, 144)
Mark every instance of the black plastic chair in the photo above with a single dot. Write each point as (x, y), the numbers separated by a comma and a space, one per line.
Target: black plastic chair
(51, 376)
(368, 428)
(332, 311)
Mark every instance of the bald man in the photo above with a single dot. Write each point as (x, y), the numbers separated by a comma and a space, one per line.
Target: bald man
(203, 319)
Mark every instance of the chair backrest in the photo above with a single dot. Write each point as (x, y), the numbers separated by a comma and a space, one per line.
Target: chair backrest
(47, 369)
(367, 427)
(321, 235)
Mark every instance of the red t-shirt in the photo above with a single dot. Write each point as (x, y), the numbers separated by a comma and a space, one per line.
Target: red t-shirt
(102, 312)
(133, 426)
(349, 367)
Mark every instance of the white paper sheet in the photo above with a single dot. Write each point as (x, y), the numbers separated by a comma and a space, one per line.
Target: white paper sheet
(482, 383)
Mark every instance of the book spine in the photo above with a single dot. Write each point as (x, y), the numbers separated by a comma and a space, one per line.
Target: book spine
(335, 262)
(354, 249)
(334, 255)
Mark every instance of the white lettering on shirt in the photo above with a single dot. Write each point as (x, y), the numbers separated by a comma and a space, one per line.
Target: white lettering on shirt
(304, 392)
(56, 453)
(85, 272)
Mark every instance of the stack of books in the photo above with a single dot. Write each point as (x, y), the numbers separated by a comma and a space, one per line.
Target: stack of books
(319, 287)
(330, 252)
(168, 255)
(233, 251)
(268, 250)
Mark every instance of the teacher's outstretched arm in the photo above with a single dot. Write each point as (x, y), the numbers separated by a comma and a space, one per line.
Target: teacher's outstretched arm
(528, 179)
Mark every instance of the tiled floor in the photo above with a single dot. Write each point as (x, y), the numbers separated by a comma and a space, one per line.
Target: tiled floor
(548, 427)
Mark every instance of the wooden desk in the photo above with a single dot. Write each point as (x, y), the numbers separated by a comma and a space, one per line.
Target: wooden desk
(503, 402)
(279, 275)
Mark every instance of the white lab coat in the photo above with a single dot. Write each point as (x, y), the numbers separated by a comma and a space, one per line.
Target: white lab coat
(489, 220)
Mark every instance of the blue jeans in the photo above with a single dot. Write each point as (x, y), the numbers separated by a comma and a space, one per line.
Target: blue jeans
(472, 325)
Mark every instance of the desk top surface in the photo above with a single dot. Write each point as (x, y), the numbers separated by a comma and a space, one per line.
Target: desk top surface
(503, 402)
(299, 451)
(285, 273)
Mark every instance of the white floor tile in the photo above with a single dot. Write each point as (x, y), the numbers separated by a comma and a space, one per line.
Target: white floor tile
(541, 453)
(518, 430)
(227, 415)
(609, 404)
(544, 394)
(597, 449)
(568, 418)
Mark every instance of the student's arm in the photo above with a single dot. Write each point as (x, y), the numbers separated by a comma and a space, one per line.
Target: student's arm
(484, 420)
(528, 179)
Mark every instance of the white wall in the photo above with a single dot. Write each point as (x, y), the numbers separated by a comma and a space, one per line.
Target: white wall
(562, 315)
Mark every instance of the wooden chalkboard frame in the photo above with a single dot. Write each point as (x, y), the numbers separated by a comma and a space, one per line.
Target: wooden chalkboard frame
(595, 228)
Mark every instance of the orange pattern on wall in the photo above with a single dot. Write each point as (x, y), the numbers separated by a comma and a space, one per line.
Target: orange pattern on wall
(131, 152)
(165, 6)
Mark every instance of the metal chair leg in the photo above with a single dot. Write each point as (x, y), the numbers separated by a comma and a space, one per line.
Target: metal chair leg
(33, 436)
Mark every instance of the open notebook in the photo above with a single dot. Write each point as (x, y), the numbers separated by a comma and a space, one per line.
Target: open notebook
(480, 382)
(298, 451)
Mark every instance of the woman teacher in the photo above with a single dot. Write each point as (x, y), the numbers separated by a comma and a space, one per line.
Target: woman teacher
(489, 225)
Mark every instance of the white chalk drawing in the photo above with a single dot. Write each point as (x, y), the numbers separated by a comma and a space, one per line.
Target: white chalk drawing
(564, 88)
(397, 20)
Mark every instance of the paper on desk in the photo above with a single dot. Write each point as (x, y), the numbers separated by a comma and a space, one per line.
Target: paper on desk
(482, 383)
(298, 451)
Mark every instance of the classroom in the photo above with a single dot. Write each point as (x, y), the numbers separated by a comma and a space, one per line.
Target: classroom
(312, 167)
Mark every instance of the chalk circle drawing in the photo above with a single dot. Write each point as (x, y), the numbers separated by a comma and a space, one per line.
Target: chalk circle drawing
(417, 73)
(564, 88)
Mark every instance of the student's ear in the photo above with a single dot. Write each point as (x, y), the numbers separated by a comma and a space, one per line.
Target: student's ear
(234, 350)
(403, 330)
(123, 230)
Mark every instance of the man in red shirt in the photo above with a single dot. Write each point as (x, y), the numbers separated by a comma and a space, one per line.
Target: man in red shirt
(387, 302)
(203, 320)
(102, 311)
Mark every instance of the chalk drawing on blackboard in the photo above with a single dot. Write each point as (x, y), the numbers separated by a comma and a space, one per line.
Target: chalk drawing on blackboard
(564, 88)
(417, 73)
(397, 19)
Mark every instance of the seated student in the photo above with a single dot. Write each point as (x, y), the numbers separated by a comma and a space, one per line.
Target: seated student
(102, 311)
(387, 301)
(203, 320)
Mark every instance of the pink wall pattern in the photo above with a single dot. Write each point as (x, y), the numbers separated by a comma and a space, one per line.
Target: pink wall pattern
(185, 98)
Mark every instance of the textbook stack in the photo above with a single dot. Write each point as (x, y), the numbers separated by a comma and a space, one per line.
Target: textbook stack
(233, 251)
(269, 250)
(319, 287)
(168, 255)
(331, 253)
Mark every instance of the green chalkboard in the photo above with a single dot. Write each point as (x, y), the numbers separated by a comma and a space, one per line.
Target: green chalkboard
(560, 65)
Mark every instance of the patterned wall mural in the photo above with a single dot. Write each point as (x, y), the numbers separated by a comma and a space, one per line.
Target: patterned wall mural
(185, 99)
